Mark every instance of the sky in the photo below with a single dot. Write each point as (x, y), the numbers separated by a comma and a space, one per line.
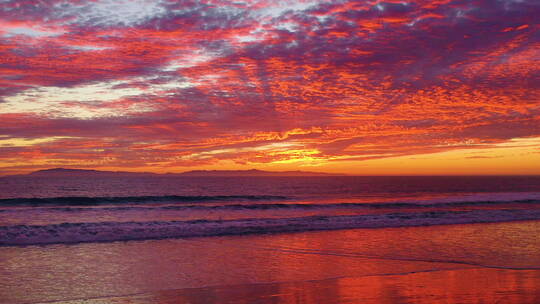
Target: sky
(358, 87)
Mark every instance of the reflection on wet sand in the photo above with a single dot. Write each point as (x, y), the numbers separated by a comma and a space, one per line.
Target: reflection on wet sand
(449, 286)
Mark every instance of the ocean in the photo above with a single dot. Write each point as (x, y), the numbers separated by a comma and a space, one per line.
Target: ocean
(164, 239)
(38, 210)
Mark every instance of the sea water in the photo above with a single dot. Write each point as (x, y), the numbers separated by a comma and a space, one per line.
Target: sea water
(138, 240)
(39, 210)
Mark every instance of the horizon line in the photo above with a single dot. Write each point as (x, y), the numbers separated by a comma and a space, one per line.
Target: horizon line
(330, 174)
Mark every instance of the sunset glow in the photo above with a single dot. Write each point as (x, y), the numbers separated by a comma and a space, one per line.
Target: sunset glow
(356, 87)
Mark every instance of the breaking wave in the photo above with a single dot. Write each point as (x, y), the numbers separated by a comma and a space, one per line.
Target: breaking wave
(123, 231)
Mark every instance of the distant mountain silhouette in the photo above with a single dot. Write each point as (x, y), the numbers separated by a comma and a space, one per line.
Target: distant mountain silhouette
(253, 172)
(85, 172)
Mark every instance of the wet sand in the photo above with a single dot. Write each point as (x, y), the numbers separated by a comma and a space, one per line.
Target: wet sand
(469, 263)
(478, 285)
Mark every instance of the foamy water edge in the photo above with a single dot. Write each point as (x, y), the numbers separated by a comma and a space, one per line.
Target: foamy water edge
(125, 231)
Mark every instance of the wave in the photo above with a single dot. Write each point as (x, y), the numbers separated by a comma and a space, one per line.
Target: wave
(292, 201)
(91, 201)
(259, 206)
(123, 231)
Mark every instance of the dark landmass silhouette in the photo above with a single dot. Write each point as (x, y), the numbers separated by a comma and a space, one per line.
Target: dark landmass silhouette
(253, 172)
(85, 172)
(63, 172)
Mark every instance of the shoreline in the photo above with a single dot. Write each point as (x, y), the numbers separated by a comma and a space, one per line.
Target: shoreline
(486, 262)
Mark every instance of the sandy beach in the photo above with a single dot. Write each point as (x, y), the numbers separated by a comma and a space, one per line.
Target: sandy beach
(468, 263)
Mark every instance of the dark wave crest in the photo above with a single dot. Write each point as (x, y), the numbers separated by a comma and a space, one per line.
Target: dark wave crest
(71, 204)
(93, 201)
